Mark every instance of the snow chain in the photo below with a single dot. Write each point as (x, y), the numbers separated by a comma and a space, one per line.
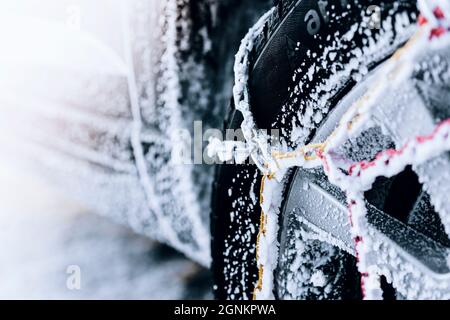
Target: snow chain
(314, 153)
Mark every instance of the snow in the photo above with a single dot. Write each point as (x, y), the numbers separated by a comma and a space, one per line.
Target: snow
(362, 175)
(43, 233)
(303, 276)
(318, 279)
(256, 140)
(92, 105)
(179, 182)
(268, 246)
(427, 8)
(226, 151)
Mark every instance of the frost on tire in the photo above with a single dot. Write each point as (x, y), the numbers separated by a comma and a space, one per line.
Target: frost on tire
(398, 124)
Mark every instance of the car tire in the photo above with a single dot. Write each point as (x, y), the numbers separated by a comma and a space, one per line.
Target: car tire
(274, 59)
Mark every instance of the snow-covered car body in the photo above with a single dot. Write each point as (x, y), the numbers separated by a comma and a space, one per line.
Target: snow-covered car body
(96, 93)
(82, 97)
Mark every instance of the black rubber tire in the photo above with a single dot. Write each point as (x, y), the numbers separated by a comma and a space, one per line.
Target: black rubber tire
(236, 212)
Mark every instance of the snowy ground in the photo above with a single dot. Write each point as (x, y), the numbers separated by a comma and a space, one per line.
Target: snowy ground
(42, 234)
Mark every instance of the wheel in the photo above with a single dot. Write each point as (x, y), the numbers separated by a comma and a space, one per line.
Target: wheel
(292, 89)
